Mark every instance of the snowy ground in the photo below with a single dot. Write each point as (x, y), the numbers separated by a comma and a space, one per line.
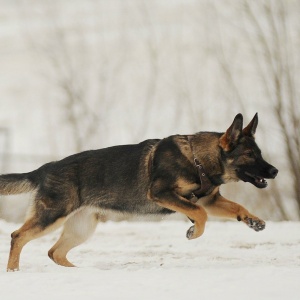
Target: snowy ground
(148, 260)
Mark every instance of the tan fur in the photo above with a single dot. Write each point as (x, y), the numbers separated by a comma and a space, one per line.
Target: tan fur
(25, 234)
(193, 212)
(221, 207)
(184, 187)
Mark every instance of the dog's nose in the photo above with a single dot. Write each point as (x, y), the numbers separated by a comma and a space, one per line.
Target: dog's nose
(273, 172)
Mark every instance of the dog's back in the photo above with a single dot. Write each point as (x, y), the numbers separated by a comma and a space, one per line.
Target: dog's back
(115, 178)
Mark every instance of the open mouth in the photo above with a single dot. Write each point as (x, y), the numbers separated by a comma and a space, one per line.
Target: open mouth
(258, 181)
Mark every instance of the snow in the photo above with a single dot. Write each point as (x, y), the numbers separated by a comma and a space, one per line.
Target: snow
(154, 260)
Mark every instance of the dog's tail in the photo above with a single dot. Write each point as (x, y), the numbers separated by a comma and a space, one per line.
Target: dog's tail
(12, 184)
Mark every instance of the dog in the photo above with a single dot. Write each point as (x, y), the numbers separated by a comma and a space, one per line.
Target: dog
(180, 173)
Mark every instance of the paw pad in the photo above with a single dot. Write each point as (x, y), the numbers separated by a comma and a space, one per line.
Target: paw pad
(255, 224)
(190, 232)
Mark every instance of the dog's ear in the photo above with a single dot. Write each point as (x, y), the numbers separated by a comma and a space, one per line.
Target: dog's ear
(250, 129)
(230, 138)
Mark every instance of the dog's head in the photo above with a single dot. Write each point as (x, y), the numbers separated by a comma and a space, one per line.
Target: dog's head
(242, 156)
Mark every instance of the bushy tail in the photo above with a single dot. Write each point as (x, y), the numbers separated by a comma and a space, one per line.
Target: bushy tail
(12, 184)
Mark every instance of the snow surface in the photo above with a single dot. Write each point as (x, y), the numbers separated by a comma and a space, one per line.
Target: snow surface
(153, 260)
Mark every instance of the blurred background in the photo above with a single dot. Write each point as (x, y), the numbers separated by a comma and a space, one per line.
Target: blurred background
(87, 74)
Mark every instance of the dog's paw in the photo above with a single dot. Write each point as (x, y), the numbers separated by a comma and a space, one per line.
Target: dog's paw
(190, 233)
(255, 224)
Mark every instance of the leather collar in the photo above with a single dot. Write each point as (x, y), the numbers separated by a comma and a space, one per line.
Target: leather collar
(206, 185)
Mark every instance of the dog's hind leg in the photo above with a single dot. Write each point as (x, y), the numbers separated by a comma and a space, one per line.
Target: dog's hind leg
(77, 229)
(32, 229)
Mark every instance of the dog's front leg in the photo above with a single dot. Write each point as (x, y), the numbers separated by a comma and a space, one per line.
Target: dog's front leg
(221, 207)
(171, 200)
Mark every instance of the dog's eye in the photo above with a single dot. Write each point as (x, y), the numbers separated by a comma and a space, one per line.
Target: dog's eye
(249, 154)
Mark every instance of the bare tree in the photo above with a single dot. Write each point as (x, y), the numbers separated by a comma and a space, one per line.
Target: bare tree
(124, 67)
(5, 136)
(267, 33)
(276, 55)
(81, 73)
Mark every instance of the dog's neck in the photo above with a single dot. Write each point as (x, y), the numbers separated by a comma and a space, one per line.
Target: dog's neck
(206, 152)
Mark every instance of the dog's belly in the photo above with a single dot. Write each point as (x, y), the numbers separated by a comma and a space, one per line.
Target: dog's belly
(131, 204)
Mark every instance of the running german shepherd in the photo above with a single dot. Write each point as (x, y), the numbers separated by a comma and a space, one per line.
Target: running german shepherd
(181, 173)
